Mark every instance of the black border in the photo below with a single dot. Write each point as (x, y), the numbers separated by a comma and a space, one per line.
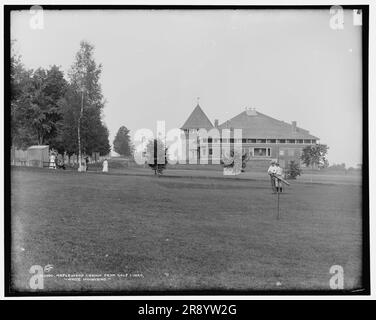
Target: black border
(9, 292)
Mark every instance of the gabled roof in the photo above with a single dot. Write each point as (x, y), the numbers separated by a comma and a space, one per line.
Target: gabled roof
(197, 120)
(256, 125)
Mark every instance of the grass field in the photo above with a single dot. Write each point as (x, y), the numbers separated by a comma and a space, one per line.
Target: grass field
(122, 232)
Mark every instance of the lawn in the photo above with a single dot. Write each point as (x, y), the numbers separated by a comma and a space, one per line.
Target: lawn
(127, 232)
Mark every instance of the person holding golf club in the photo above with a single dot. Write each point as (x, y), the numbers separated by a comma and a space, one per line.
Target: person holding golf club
(271, 172)
(278, 175)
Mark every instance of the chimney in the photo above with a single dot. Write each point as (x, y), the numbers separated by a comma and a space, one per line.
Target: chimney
(293, 123)
(251, 111)
(216, 123)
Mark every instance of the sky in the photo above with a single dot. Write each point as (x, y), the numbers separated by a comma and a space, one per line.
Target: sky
(288, 64)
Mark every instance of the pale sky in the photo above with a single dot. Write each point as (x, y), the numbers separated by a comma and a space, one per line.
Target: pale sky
(288, 64)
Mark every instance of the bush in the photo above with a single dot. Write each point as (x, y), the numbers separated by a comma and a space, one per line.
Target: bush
(229, 162)
(293, 170)
(154, 149)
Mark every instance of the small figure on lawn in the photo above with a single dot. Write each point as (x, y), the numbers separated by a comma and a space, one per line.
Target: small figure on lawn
(105, 165)
(52, 161)
(86, 163)
(56, 161)
(60, 162)
(271, 172)
(278, 174)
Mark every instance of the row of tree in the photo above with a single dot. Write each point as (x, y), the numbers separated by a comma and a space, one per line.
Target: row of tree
(66, 114)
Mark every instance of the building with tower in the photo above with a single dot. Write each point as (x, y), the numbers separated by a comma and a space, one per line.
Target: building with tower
(263, 138)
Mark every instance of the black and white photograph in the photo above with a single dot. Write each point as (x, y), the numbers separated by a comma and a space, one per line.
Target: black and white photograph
(165, 150)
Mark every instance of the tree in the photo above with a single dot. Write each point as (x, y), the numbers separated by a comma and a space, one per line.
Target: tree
(95, 134)
(122, 142)
(155, 151)
(19, 78)
(35, 107)
(94, 137)
(46, 109)
(48, 88)
(315, 155)
(293, 170)
(88, 102)
(236, 160)
(67, 137)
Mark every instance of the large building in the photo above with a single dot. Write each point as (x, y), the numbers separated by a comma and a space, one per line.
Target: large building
(263, 138)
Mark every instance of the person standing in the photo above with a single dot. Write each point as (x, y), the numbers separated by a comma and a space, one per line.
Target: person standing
(56, 161)
(86, 163)
(105, 166)
(271, 172)
(52, 161)
(278, 174)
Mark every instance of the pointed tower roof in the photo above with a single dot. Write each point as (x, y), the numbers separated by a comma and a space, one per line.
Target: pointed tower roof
(197, 120)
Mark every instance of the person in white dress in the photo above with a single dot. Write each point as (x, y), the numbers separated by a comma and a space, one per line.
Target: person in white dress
(52, 161)
(105, 165)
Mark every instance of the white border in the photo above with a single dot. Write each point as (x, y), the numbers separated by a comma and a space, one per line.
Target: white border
(372, 144)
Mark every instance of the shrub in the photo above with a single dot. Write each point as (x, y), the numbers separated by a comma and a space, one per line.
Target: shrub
(293, 170)
(154, 149)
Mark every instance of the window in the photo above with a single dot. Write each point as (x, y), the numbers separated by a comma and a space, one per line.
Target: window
(291, 141)
(261, 141)
(300, 141)
(307, 141)
(251, 140)
(261, 152)
(282, 141)
(210, 151)
(270, 140)
(244, 140)
(314, 141)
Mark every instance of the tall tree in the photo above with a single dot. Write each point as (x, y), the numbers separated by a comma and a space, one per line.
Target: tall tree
(315, 155)
(95, 135)
(49, 87)
(67, 137)
(122, 142)
(85, 100)
(34, 104)
(20, 78)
